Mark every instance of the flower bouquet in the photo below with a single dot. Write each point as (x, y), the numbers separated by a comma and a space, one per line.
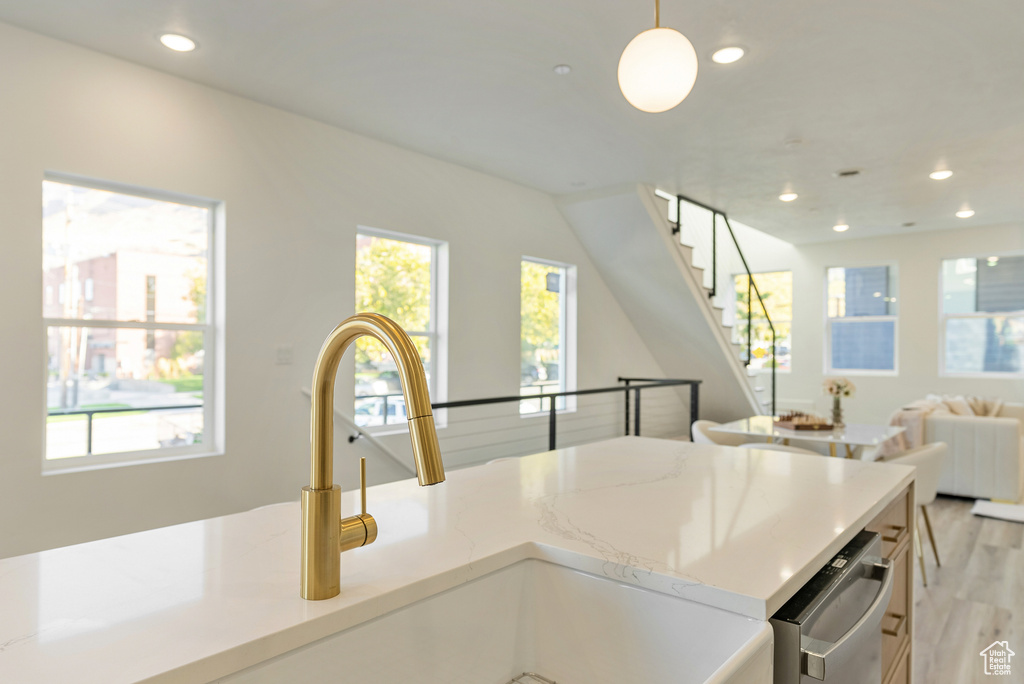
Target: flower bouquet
(838, 388)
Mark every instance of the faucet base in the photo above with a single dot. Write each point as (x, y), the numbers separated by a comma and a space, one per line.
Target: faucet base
(321, 552)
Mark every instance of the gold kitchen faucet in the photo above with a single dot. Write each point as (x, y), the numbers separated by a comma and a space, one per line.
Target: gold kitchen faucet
(324, 533)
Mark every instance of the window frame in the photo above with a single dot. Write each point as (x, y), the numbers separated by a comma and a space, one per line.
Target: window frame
(944, 318)
(212, 443)
(568, 305)
(437, 332)
(894, 277)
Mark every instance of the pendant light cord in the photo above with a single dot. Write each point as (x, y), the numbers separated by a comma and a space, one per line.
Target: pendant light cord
(657, 13)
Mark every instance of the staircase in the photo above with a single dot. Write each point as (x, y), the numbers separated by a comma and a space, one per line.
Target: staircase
(671, 263)
(711, 247)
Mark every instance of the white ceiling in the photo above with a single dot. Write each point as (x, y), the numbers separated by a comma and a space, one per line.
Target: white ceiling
(896, 89)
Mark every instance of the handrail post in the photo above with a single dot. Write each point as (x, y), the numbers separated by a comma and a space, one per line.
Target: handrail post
(775, 363)
(636, 414)
(627, 406)
(88, 434)
(714, 255)
(694, 405)
(750, 323)
(551, 423)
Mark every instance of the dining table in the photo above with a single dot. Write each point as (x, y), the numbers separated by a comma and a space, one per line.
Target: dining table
(852, 436)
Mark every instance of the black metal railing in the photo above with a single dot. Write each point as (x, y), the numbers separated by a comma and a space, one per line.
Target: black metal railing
(626, 389)
(89, 413)
(751, 285)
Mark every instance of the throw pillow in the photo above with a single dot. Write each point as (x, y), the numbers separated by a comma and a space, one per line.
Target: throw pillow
(958, 405)
(978, 405)
(985, 407)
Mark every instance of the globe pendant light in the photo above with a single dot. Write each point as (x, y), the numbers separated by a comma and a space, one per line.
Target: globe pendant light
(658, 68)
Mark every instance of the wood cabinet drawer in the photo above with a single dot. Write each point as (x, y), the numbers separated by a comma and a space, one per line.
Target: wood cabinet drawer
(901, 673)
(893, 524)
(896, 621)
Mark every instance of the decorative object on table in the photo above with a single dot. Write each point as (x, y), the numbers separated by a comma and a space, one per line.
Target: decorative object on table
(798, 420)
(838, 388)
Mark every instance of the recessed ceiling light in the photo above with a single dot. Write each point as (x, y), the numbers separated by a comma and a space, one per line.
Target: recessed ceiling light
(728, 55)
(788, 196)
(562, 69)
(965, 213)
(840, 227)
(940, 175)
(177, 42)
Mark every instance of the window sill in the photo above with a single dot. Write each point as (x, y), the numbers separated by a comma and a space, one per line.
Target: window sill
(79, 464)
(862, 373)
(547, 413)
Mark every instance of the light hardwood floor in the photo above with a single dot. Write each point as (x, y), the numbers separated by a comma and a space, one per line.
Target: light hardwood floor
(975, 598)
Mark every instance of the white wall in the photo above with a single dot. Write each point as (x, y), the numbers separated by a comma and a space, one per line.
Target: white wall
(295, 192)
(918, 258)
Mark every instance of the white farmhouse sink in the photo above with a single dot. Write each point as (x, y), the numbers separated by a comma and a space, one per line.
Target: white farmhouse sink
(533, 616)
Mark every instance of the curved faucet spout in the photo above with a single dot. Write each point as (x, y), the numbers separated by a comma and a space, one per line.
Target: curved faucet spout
(324, 534)
(425, 449)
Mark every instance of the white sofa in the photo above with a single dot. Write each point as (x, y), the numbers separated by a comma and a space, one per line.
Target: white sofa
(986, 454)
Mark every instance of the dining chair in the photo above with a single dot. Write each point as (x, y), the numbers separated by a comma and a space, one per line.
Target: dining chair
(928, 460)
(778, 447)
(701, 434)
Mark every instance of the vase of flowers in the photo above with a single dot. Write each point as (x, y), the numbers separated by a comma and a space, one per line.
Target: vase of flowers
(838, 388)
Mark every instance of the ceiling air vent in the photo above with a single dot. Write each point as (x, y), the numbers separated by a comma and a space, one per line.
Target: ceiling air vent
(847, 173)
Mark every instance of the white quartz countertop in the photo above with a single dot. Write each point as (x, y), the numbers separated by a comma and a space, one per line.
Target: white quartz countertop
(736, 529)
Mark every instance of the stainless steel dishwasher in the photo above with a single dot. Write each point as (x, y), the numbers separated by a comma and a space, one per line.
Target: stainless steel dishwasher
(830, 631)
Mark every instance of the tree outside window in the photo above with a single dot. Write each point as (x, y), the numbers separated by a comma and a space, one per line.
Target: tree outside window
(776, 291)
(546, 292)
(396, 278)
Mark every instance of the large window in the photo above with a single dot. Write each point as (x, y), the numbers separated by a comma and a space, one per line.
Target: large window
(983, 315)
(130, 342)
(403, 278)
(777, 294)
(547, 309)
(861, 307)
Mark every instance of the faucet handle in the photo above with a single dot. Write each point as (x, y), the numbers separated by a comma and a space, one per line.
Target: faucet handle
(358, 530)
(362, 484)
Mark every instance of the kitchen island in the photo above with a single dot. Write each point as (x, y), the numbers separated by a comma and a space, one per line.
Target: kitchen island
(733, 530)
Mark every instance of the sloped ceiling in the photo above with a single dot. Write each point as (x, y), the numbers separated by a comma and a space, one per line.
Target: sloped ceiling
(895, 90)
